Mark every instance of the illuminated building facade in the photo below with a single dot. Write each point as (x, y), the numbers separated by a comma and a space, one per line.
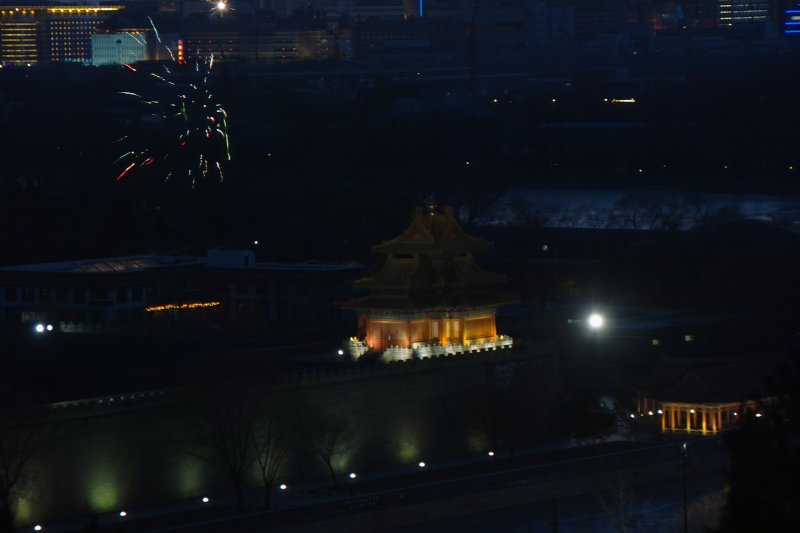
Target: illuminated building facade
(742, 11)
(702, 396)
(429, 297)
(274, 46)
(58, 33)
(118, 47)
(227, 288)
(701, 13)
(791, 20)
(19, 38)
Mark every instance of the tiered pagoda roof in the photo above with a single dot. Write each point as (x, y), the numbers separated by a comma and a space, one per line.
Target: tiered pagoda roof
(430, 266)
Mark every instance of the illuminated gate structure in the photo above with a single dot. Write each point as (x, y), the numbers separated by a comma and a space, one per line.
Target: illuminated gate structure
(701, 395)
(429, 297)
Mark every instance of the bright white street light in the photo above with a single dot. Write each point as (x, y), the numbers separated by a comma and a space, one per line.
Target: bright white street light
(491, 454)
(283, 486)
(37, 527)
(220, 7)
(49, 327)
(596, 321)
(205, 499)
(422, 464)
(352, 475)
(123, 514)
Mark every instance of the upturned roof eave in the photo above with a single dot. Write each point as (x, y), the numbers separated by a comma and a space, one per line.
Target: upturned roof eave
(399, 245)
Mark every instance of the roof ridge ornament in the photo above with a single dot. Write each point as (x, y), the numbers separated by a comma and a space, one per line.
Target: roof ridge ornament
(430, 203)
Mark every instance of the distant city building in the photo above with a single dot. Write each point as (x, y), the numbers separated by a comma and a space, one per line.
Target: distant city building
(118, 47)
(57, 33)
(271, 46)
(742, 11)
(791, 20)
(227, 288)
(360, 11)
(596, 18)
(429, 297)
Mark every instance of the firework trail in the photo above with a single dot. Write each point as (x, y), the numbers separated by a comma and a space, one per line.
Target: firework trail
(158, 38)
(190, 141)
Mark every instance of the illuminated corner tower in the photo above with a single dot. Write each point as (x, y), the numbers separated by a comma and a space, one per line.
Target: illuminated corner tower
(429, 297)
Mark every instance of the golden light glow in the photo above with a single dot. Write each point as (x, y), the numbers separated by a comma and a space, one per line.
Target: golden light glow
(168, 307)
(623, 100)
(93, 9)
(70, 10)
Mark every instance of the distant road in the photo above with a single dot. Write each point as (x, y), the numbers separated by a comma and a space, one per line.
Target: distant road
(519, 499)
(656, 504)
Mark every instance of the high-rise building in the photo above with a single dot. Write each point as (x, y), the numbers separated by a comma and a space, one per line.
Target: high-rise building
(272, 46)
(742, 11)
(118, 47)
(61, 33)
(19, 37)
(791, 19)
(701, 13)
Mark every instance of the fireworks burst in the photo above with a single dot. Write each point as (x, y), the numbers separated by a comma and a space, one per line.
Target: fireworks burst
(186, 132)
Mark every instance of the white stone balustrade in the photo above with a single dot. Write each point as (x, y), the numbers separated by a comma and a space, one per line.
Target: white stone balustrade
(356, 348)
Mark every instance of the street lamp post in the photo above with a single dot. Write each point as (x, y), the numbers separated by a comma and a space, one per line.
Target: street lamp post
(555, 515)
(685, 461)
(596, 321)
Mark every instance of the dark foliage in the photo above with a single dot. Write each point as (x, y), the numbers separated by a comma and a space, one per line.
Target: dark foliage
(587, 420)
(765, 460)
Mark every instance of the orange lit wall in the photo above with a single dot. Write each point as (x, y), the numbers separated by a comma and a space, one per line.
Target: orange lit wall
(481, 327)
(382, 333)
(421, 331)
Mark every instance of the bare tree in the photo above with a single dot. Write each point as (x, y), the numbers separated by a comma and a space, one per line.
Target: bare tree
(20, 443)
(524, 213)
(649, 211)
(626, 511)
(221, 435)
(703, 513)
(700, 211)
(330, 438)
(273, 436)
(586, 419)
(241, 427)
